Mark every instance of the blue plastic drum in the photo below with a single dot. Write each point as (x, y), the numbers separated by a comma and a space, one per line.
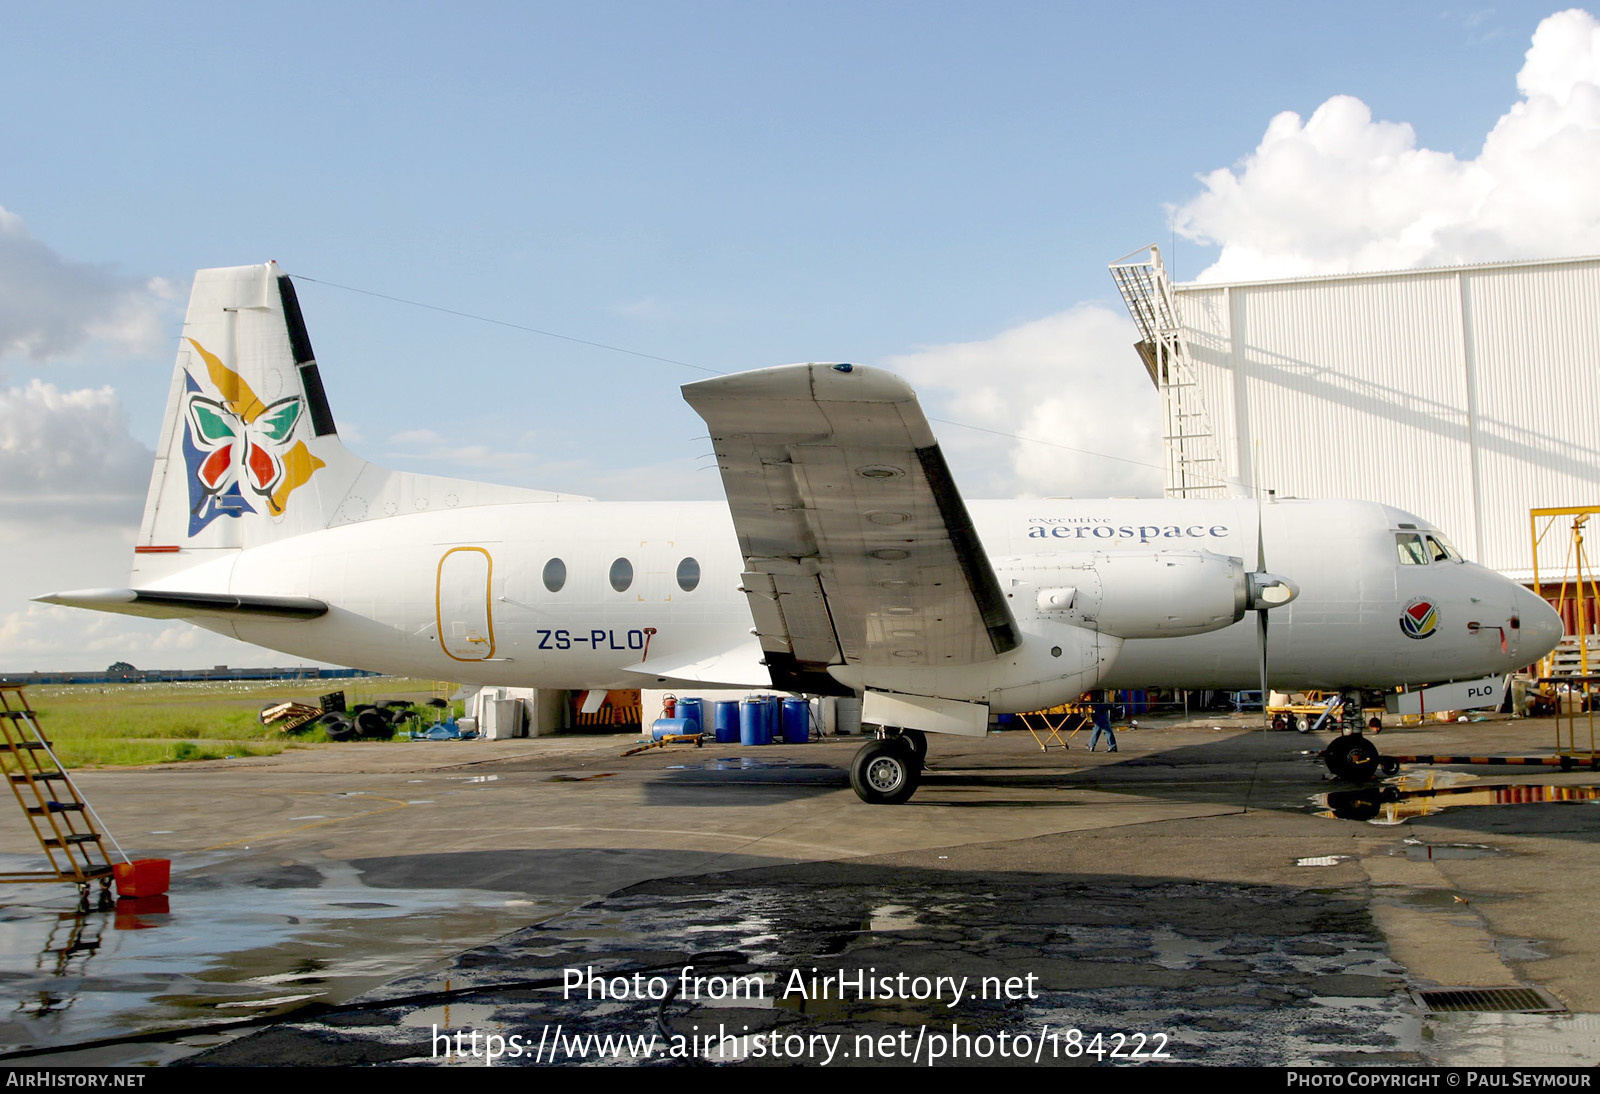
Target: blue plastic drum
(796, 721)
(725, 716)
(673, 727)
(753, 722)
(693, 708)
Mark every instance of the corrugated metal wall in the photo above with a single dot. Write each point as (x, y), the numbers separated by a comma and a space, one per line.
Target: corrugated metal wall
(1464, 395)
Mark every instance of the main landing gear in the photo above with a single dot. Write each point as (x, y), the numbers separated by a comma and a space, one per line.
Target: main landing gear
(886, 771)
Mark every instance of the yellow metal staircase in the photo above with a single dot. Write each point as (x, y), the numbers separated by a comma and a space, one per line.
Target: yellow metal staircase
(62, 820)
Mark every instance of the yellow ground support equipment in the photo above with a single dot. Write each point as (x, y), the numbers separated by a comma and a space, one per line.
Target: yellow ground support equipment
(1049, 724)
(1578, 594)
(695, 739)
(1575, 736)
(62, 820)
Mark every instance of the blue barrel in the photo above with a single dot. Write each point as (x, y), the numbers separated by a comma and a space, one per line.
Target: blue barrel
(796, 721)
(673, 727)
(725, 716)
(774, 718)
(693, 708)
(753, 722)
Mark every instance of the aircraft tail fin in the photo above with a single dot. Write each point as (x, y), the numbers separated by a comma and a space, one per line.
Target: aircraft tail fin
(249, 452)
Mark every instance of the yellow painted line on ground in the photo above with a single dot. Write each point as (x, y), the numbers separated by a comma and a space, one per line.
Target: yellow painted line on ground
(397, 804)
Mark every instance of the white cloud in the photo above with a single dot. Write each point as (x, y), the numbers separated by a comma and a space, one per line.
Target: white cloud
(1071, 380)
(1341, 192)
(47, 638)
(45, 554)
(51, 307)
(68, 446)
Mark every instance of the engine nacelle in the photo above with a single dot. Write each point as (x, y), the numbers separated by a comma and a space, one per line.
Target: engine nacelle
(1163, 594)
(1056, 662)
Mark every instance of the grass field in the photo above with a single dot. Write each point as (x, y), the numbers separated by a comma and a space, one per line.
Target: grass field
(94, 725)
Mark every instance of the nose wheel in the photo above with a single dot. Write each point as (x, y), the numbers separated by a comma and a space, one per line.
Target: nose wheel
(1354, 758)
(885, 772)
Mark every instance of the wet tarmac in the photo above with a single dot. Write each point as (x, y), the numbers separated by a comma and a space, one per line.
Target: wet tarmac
(1177, 901)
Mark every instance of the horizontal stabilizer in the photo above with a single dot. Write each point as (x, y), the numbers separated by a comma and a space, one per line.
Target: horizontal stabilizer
(165, 604)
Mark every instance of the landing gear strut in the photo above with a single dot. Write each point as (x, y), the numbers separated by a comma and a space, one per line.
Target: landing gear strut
(887, 771)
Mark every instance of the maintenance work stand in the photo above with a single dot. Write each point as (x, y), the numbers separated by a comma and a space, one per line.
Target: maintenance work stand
(62, 821)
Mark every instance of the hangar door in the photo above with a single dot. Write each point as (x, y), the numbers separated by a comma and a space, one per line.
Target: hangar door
(466, 625)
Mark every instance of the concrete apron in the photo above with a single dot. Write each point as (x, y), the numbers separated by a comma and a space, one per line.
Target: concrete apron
(1154, 891)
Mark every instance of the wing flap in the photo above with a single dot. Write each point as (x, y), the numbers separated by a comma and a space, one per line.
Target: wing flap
(791, 610)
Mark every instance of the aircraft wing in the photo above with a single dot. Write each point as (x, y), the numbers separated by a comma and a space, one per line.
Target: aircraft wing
(858, 548)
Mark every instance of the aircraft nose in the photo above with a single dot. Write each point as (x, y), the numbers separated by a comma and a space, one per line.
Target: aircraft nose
(1542, 629)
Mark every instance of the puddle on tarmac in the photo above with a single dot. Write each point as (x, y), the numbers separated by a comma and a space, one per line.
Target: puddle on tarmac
(1205, 972)
(750, 763)
(219, 946)
(1395, 803)
(1424, 851)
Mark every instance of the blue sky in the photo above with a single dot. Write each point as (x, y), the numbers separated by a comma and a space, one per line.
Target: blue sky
(728, 184)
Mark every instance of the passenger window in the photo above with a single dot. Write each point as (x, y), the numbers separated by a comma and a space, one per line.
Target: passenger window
(621, 575)
(688, 575)
(1412, 553)
(555, 575)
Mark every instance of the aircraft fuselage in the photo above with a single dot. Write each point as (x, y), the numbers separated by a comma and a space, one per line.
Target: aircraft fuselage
(464, 594)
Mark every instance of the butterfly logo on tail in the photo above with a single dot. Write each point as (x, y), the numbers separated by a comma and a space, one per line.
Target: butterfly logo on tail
(239, 449)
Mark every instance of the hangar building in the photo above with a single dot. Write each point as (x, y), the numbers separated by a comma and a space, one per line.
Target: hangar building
(1466, 394)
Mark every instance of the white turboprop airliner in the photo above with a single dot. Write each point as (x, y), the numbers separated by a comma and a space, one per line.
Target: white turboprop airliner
(845, 561)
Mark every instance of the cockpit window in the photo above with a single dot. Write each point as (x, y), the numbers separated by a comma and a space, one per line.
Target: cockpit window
(1442, 549)
(1412, 552)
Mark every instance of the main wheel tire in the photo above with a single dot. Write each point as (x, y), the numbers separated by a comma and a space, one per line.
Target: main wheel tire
(884, 773)
(917, 742)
